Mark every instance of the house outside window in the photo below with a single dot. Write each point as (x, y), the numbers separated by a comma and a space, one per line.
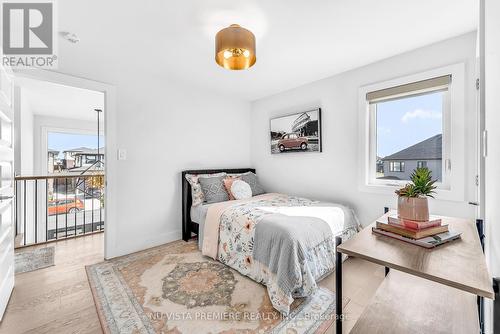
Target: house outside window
(407, 123)
(52, 161)
(427, 153)
(74, 159)
(86, 156)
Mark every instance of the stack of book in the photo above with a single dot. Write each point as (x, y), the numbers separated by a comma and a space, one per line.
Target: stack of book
(426, 234)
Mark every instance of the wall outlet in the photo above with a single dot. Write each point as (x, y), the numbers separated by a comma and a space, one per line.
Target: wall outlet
(122, 154)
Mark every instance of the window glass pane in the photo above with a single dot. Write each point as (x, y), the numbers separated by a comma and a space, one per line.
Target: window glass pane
(409, 135)
(71, 152)
(421, 164)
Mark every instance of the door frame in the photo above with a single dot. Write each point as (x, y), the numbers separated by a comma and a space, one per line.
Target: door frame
(110, 133)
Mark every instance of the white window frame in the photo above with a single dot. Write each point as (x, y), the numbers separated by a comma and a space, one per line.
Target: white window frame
(453, 182)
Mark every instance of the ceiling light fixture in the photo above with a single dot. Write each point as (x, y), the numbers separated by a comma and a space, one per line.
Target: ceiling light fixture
(235, 48)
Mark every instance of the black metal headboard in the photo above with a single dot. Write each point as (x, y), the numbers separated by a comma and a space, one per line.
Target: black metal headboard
(189, 226)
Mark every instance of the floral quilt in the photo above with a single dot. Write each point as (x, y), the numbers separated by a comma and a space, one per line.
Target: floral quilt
(295, 242)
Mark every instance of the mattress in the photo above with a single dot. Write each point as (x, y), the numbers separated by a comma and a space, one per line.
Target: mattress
(199, 212)
(198, 215)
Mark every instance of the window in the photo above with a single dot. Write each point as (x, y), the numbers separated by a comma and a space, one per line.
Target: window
(293, 136)
(90, 159)
(397, 166)
(407, 123)
(409, 128)
(67, 150)
(421, 164)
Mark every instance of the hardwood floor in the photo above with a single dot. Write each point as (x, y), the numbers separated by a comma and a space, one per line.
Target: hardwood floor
(361, 280)
(58, 299)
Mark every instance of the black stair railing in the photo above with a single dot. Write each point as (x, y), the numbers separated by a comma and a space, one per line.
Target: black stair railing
(53, 207)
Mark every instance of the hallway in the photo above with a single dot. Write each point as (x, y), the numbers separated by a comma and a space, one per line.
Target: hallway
(57, 299)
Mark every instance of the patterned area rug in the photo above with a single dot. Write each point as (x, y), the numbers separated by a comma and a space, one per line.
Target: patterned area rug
(174, 289)
(34, 259)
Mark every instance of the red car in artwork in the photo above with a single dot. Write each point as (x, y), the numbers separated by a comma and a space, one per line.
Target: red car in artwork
(292, 141)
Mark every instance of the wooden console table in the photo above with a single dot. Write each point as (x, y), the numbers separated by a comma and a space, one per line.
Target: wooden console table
(431, 290)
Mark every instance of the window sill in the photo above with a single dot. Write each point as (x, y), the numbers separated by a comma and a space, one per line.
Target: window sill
(441, 194)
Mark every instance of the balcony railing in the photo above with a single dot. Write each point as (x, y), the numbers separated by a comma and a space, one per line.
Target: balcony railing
(56, 207)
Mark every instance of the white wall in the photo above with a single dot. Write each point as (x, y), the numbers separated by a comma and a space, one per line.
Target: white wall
(24, 148)
(332, 174)
(492, 161)
(167, 128)
(23, 132)
(492, 121)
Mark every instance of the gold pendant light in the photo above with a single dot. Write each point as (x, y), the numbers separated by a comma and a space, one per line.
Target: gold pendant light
(235, 48)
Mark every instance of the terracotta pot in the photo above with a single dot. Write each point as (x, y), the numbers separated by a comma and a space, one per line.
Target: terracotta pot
(413, 208)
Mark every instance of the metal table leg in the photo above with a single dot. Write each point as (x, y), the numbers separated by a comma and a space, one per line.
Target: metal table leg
(386, 210)
(338, 287)
(480, 300)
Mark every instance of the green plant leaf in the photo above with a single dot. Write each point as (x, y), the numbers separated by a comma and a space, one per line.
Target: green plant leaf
(421, 184)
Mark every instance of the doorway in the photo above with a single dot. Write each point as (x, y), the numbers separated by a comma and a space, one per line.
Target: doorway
(61, 182)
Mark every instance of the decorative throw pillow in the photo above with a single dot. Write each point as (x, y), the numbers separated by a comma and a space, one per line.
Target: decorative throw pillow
(241, 190)
(253, 181)
(196, 192)
(237, 174)
(213, 189)
(228, 182)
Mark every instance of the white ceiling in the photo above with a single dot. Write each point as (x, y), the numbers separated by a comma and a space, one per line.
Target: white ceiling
(297, 41)
(49, 99)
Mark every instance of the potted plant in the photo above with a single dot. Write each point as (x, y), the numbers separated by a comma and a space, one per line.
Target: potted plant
(412, 198)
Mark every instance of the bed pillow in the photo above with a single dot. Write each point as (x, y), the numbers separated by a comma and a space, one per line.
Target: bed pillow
(237, 174)
(213, 189)
(228, 182)
(253, 182)
(196, 192)
(241, 190)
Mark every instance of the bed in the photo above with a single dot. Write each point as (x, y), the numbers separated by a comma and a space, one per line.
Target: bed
(284, 242)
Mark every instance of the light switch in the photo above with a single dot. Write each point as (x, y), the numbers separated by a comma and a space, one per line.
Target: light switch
(122, 154)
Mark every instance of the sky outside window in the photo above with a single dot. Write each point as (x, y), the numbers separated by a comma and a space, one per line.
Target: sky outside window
(404, 122)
